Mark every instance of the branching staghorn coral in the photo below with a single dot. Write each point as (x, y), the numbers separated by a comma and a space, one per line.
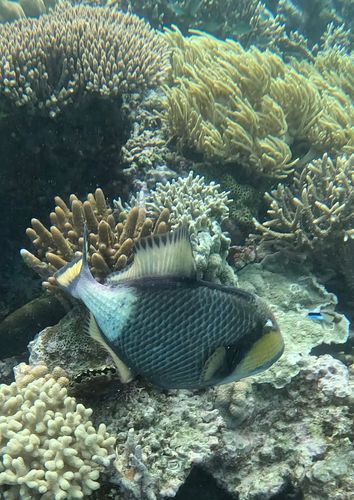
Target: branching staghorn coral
(55, 60)
(316, 214)
(189, 199)
(250, 107)
(318, 211)
(48, 444)
(111, 242)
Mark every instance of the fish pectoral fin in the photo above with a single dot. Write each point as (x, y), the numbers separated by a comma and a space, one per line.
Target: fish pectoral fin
(160, 255)
(124, 372)
(264, 352)
(213, 363)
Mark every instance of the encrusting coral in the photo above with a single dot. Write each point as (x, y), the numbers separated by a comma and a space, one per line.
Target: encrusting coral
(73, 51)
(111, 242)
(250, 107)
(48, 444)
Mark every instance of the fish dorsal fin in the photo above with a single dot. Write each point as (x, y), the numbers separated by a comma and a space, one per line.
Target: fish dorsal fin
(162, 255)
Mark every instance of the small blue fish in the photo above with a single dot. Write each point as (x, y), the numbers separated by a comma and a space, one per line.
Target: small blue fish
(323, 316)
(158, 321)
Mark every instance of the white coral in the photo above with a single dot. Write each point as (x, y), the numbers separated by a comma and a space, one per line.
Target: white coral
(46, 439)
(202, 207)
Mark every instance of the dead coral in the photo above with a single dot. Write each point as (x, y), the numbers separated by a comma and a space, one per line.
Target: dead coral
(250, 107)
(55, 60)
(111, 242)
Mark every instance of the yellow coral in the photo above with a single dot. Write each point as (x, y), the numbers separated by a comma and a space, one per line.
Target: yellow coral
(111, 242)
(249, 107)
(47, 441)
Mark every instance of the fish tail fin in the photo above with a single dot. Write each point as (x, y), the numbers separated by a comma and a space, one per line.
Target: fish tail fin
(69, 276)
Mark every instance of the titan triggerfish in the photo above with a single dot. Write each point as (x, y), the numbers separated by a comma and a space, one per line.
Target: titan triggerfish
(160, 322)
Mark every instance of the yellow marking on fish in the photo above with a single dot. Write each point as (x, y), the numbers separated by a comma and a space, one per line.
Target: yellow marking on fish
(264, 350)
(213, 363)
(69, 274)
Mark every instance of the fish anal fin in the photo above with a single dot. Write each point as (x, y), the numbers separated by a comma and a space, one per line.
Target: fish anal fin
(94, 331)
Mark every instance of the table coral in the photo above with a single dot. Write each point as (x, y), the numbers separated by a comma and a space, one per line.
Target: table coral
(73, 51)
(47, 440)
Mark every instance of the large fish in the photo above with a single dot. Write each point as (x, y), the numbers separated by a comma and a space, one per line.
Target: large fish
(158, 321)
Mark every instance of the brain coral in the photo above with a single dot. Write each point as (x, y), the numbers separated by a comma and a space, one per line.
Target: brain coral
(250, 107)
(75, 50)
(47, 441)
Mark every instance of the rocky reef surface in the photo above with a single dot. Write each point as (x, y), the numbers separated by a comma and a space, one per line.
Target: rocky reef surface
(285, 431)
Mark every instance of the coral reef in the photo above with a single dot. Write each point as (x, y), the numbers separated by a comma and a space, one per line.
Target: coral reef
(250, 108)
(118, 53)
(292, 291)
(316, 214)
(278, 425)
(48, 443)
(60, 80)
(111, 243)
(147, 157)
(11, 11)
(250, 22)
(291, 440)
(312, 19)
(203, 208)
(159, 439)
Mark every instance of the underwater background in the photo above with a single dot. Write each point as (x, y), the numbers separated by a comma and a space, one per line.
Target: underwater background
(234, 119)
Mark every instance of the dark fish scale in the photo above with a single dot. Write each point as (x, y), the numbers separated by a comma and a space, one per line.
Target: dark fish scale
(175, 328)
